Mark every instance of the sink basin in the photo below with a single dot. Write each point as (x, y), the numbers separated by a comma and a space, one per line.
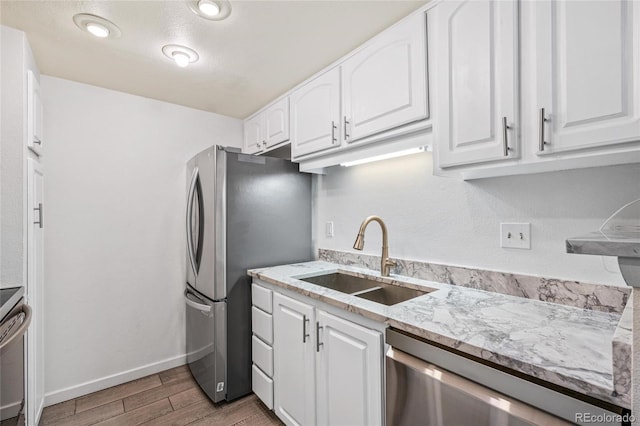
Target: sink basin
(342, 282)
(372, 290)
(391, 294)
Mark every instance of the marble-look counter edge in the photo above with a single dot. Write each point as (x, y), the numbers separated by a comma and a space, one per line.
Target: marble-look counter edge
(604, 390)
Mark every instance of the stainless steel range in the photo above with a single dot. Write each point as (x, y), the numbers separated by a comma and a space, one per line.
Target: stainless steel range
(15, 317)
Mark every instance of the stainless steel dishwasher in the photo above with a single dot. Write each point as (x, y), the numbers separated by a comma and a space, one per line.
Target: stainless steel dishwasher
(433, 386)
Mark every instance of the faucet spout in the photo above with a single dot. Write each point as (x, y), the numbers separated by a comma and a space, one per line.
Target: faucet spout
(385, 262)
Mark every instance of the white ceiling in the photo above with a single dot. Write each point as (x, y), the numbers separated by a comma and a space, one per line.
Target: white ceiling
(260, 51)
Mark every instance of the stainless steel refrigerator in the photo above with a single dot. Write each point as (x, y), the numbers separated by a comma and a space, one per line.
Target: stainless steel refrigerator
(243, 212)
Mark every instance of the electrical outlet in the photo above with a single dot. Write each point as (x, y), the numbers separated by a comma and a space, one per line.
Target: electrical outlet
(515, 235)
(329, 229)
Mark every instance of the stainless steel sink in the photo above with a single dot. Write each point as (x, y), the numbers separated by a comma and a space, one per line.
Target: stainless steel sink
(391, 294)
(342, 282)
(372, 290)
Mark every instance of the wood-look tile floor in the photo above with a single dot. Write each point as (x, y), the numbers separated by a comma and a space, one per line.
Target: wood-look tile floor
(168, 398)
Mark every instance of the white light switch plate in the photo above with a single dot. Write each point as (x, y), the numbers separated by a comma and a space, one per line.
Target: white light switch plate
(329, 229)
(515, 235)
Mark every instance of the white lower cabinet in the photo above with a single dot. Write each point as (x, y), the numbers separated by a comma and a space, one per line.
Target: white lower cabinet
(294, 361)
(261, 344)
(349, 373)
(327, 370)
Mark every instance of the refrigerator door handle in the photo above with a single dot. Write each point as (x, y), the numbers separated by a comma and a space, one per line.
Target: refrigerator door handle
(192, 191)
(202, 307)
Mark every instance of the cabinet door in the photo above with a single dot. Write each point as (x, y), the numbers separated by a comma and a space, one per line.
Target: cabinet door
(588, 73)
(35, 290)
(349, 367)
(276, 123)
(315, 115)
(385, 84)
(34, 114)
(293, 358)
(476, 68)
(253, 141)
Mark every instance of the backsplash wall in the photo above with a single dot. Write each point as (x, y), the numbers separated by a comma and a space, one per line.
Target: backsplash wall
(450, 221)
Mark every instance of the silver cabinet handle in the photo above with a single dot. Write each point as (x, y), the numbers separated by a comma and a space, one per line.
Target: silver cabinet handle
(334, 139)
(318, 343)
(258, 145)
(37, 141)
(505, 136)
(192, 191)
(264, 143)
(305, 320)
(543, 119)
(346, 132)
(40, 213)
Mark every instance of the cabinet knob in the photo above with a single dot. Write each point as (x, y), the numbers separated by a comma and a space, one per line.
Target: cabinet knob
(258, 145)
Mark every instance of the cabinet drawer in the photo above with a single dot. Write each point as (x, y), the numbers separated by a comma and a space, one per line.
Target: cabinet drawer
(261, 297)
(262, 325)
(262, 355)
(262, 386)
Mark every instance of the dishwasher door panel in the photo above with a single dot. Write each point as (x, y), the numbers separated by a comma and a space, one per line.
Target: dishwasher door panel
(421, 393)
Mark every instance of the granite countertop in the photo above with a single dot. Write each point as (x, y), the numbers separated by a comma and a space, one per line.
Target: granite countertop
(624, 244)
(8, 298)
(563, 345)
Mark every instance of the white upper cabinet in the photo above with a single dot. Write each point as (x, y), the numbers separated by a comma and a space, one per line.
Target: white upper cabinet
(315, 114)
(276, 123)
(475, 57)
(267, 128)
(385, 84)
(588, 74)
(34, 114)
(253, 135)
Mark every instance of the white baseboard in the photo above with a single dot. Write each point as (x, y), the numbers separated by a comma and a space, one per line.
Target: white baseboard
(10, 410)
(86, 388)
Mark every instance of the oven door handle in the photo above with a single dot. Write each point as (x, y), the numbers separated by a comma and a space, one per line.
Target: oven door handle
(18, 332)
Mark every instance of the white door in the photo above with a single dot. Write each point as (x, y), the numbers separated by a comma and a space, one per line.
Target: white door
(385, 84)
(588, 74)
(34, 114)
(476, 68)
(253, 141)
(276, 123)
(35, 291)
(293, 359)
(315, 115)
(349, 368)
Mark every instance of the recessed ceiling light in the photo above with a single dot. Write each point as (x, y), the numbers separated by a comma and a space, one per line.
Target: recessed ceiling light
(97, 26)
(215, 10)
(181, 55)
(98, 30)
(208, 7)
